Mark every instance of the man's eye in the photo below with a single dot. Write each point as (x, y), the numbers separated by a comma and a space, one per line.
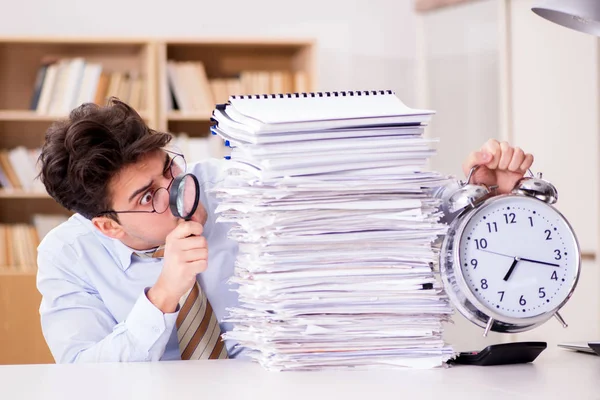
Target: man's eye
(146, 198)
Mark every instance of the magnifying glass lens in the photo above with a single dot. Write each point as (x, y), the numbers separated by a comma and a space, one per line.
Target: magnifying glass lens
(184, 196)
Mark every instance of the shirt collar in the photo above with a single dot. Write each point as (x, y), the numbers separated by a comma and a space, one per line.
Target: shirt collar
(122, 252)
(117, 249)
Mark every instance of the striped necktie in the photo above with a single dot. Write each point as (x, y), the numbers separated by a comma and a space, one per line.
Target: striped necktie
(198, 330)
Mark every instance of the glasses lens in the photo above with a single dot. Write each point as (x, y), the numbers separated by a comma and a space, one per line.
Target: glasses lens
(160, 202)
(178, 166)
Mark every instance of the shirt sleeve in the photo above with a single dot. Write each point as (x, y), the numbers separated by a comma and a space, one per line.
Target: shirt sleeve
(79, 328)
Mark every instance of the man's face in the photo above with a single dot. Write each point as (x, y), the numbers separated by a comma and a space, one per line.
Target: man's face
(133, 189)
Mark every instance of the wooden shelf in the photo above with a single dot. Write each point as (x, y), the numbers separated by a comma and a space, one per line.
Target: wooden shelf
(83, 40)
(22, 194)
(27, 115)
(17, 271)
(241, 41)
(24, 115)
(21, 334)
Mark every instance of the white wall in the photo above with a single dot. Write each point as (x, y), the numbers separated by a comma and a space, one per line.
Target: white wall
(363, 44)
(461, 79)
(556, 112)
(550, 106)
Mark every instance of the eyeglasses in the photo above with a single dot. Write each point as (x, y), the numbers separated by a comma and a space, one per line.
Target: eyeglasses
(159, 197)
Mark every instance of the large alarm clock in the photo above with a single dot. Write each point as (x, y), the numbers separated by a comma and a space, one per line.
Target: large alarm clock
(508, 262)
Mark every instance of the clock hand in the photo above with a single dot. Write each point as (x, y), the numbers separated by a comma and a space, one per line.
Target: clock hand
(512, 268)
(498, 254)
(540, 262)
(521, 258)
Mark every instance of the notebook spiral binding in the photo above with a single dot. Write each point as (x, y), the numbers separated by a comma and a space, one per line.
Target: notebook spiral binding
(313, 94)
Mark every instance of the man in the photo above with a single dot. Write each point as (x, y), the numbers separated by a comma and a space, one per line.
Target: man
(119, 278)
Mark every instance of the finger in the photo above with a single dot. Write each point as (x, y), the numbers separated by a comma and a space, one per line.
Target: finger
(517, 159)
(492, 146)
(187, 228)
(527, 163)
(198, 266)
(193, 242)
(194, 255)
(507, 153)
(476, 158)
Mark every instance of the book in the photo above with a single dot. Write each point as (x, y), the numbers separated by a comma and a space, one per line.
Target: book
(37, 87)
(19, 169)
(65, 83)
(297, 112)
(187, 86)
(18, 246)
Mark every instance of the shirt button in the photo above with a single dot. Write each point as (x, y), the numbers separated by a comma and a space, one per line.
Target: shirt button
(155, 329)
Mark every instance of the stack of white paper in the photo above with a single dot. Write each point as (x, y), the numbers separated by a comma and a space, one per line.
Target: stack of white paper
(335, 221)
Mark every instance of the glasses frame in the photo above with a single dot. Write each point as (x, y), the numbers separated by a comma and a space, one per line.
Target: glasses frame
(174, 155)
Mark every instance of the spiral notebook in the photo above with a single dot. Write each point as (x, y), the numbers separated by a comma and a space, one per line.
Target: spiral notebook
(293, 112)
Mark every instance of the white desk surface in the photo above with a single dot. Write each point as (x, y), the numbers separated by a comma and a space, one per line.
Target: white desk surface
(555, 374)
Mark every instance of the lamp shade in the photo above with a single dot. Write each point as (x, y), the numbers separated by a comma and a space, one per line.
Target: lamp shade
(581, 15)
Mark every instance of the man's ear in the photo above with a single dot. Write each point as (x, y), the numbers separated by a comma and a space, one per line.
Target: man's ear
(109, 227)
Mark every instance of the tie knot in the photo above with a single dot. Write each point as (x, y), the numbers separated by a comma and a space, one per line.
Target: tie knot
(159, 252)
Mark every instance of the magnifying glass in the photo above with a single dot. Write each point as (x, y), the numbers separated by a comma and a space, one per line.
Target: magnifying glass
(184, 196)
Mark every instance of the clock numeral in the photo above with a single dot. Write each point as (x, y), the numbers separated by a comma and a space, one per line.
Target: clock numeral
(510, 218)
(474, 263)
(548, 234)
(501, 295)
(554, 277)
(492, 225)
(522, 301)
(481, 243)
(531, 220)
(542, 293)
(484, 284)
(558, 255)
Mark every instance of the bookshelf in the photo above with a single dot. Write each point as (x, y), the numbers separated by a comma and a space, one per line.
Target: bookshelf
(265, 65)
(283, 65)
(22, 194)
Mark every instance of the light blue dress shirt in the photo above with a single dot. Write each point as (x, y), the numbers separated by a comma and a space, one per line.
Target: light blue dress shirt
(94, 307)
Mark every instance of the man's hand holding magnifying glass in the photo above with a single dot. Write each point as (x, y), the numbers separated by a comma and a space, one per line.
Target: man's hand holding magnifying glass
(186, 250)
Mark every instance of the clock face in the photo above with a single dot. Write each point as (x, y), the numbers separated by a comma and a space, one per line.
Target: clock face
(519, 257)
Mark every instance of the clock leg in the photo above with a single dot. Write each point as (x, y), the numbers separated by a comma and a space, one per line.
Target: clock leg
(561, 320)
(488, 326)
